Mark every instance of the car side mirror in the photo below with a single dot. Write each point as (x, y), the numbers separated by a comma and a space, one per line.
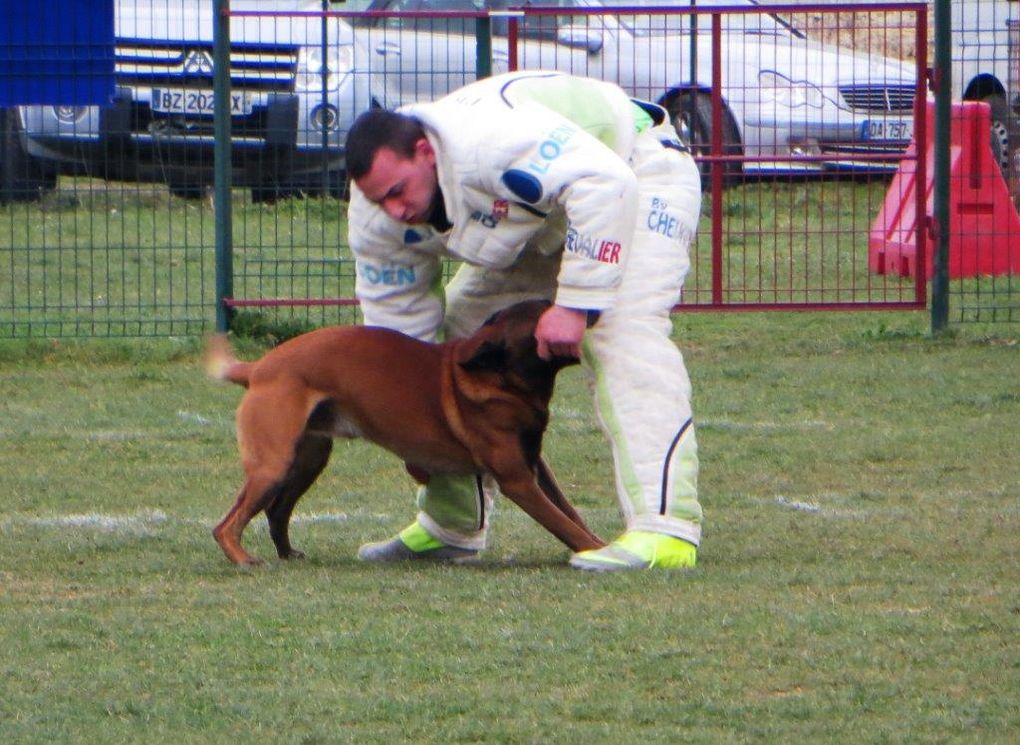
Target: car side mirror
(580, 37)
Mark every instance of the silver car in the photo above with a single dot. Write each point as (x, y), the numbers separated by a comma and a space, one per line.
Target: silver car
(294, 93)
(789, 104)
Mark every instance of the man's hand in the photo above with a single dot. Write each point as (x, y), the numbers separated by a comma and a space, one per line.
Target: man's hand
(559, 332)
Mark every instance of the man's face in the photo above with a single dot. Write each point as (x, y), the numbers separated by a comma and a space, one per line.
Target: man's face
(403, 187)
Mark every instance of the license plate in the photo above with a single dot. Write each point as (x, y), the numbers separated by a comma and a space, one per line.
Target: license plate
(887, 129)
(197, 102)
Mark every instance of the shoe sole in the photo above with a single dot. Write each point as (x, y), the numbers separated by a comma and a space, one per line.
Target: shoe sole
(395, 551)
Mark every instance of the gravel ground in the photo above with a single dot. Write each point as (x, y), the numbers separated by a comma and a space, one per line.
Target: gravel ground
(888, 34)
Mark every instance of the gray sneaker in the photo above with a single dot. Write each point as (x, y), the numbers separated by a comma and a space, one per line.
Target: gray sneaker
(608, 559)
(396, 550)
(638, 549)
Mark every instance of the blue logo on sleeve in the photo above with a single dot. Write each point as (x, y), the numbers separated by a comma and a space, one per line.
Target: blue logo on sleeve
(523, 185)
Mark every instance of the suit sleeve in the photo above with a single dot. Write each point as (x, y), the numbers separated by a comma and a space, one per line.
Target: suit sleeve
(560, 165)
(398, 273)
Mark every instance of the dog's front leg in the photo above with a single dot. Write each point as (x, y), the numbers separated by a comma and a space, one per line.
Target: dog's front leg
(521, 487)
(547, 483)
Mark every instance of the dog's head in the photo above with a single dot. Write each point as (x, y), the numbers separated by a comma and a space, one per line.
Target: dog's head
(505, 344)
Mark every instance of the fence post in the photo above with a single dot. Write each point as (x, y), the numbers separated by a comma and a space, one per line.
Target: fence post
(324, 99)
(222, 163)
(943, 83)
(483, 47)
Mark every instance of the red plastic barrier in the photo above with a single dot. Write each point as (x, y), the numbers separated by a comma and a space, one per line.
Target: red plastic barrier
(984, 227)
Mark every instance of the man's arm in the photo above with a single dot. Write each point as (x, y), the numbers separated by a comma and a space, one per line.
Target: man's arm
(398, 275)
(559, 332)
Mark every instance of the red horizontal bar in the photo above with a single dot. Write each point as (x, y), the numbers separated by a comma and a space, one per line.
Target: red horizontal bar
(780, 306)
(916, 7)
(681, 308)
(722, 9)
(423, 14)
(284, 302)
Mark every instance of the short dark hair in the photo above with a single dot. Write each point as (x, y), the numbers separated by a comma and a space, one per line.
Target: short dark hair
(378, 128)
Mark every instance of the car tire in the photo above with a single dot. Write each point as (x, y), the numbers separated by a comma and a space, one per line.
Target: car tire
(1005, 133)
(189, 190)
(23, 178)
(310, 186)
(271, 193)
(691, 114)
(336, 186)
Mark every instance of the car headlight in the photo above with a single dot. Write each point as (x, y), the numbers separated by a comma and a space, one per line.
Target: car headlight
(781, 90)
(314, 62)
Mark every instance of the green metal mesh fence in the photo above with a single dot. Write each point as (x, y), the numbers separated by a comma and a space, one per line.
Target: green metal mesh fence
(107, 218)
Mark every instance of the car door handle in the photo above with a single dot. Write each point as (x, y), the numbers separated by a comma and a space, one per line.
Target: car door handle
(388, 47)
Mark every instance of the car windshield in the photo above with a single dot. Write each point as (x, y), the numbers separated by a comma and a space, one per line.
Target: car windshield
(660, 25)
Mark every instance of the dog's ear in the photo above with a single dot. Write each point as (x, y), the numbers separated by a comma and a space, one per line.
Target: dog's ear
(488, 356)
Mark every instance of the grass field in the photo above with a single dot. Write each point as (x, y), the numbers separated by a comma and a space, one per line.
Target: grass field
(858, 580)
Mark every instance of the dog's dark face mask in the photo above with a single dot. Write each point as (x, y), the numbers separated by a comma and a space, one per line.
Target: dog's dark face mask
(511, 350)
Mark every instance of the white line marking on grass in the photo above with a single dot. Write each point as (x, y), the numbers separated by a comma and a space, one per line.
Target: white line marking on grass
(321, 517)
(190, 416)
(148, 519)
(101, 522)
(113, 435)
(566, 412)
(795, 505)
(764, 426)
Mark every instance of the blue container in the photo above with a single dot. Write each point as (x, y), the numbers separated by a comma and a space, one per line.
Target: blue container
(56, 52)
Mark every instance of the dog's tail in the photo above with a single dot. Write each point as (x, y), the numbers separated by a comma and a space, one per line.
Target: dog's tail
(221, 364)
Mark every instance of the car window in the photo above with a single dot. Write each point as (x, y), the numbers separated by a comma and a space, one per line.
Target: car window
(543, 28)
(438, 24)
(658, 25)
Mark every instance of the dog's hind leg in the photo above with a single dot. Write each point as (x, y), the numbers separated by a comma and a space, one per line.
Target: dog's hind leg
(310, 457)
(270, 423)
(257, 492)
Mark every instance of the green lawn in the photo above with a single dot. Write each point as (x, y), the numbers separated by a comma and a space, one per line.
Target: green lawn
(858, 580)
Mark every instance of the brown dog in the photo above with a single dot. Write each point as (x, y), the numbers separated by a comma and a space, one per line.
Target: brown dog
(474, 405)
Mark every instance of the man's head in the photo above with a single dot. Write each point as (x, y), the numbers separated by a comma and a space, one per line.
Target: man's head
(393, 163)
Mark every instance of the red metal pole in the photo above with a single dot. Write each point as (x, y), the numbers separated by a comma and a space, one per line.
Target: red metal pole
(716, 165)
(921, 165)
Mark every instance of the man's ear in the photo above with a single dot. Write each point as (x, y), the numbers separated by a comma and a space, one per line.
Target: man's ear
(424, 148)
(488, 356)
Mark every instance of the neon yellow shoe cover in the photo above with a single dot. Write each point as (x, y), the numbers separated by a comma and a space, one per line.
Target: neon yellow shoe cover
(638, 549)
(416, 538)
(414, 542)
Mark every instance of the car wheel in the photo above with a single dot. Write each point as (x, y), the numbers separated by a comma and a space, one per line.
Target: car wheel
(335, 186)
(1005, 134)
(691, 115)
(190, 190)
(23, 178)
(270, 193)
